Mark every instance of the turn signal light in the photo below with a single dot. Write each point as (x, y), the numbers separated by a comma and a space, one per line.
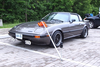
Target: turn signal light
(84, 18)
(47, 35)
(37, 36)
(42, 23)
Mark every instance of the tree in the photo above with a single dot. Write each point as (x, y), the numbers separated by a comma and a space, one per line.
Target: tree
(61, 5)
(32, 10)
(82, 7)
(95, 6)
(12, 10)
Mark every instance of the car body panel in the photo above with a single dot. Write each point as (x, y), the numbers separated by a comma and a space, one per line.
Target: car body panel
(31, 29)
(95, 19)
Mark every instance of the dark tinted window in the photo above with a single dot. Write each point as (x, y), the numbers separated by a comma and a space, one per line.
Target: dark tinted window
(99, 15)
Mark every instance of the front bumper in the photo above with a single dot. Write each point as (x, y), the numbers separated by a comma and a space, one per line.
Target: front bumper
(43, 40)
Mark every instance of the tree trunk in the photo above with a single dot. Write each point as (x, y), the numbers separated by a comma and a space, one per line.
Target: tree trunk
(26, 13)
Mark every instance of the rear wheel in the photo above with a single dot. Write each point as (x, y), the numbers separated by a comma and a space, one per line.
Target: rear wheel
(84, 33)
(91, 24)
(57, 38)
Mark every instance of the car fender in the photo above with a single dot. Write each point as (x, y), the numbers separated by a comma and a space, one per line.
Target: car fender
(86, 27)
(57, 29)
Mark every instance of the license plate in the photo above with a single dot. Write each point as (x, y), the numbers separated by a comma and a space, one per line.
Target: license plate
(19, 36)
(27, 42)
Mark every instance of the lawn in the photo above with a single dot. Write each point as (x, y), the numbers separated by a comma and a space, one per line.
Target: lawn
(10, 25)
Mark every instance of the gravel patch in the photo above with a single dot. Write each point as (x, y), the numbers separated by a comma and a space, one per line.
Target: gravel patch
(4, 31)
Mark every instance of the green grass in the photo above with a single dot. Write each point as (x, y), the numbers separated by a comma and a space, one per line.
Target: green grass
(10, 25)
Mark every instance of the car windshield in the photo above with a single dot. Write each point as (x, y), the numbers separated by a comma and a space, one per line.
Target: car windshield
(61, 17)
(98, 15)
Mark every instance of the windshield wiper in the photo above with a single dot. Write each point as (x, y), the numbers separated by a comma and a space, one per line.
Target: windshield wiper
(43, 19)
(57, 20)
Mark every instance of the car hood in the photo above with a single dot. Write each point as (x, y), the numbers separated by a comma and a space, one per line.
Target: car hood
(30, 27)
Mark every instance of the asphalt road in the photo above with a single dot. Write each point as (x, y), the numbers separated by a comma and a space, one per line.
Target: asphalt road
(77, 52)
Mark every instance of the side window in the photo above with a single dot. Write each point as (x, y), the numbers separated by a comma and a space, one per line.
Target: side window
(80, 18)
(74, 17)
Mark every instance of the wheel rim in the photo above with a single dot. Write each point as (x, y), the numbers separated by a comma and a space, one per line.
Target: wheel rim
(91, 24)
(58, 39)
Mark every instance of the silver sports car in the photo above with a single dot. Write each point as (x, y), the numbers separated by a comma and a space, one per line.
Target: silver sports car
(60, 25)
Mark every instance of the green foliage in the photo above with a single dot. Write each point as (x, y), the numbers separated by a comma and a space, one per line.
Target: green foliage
(9, 25)
(95, 5)
(32, 10)
(61, 5)
(82, 7)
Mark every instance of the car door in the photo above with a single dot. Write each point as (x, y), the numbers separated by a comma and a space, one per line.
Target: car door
(71, 29)
(76, 26)
(97, 20)
(66, 26)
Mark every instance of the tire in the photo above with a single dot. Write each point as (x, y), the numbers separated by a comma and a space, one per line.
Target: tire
(84, 33)
(91, 24)
(57, 38)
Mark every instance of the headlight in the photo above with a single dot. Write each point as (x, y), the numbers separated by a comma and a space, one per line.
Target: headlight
(39, 30)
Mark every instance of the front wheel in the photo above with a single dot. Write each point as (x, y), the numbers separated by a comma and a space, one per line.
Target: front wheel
(57, 39)
(84, 33)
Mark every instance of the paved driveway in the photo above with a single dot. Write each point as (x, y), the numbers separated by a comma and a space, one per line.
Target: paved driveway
(77, 52)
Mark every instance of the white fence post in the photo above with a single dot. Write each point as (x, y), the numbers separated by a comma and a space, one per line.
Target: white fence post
(1, 22)
(99, 10)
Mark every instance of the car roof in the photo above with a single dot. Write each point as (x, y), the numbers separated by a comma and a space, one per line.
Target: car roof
(65, 12)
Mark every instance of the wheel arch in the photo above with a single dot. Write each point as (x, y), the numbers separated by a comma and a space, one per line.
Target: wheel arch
(83, 34)
(92, 20)
(86, 27)
(60, 31)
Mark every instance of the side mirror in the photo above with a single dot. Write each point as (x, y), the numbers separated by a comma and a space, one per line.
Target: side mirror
(73, 20)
